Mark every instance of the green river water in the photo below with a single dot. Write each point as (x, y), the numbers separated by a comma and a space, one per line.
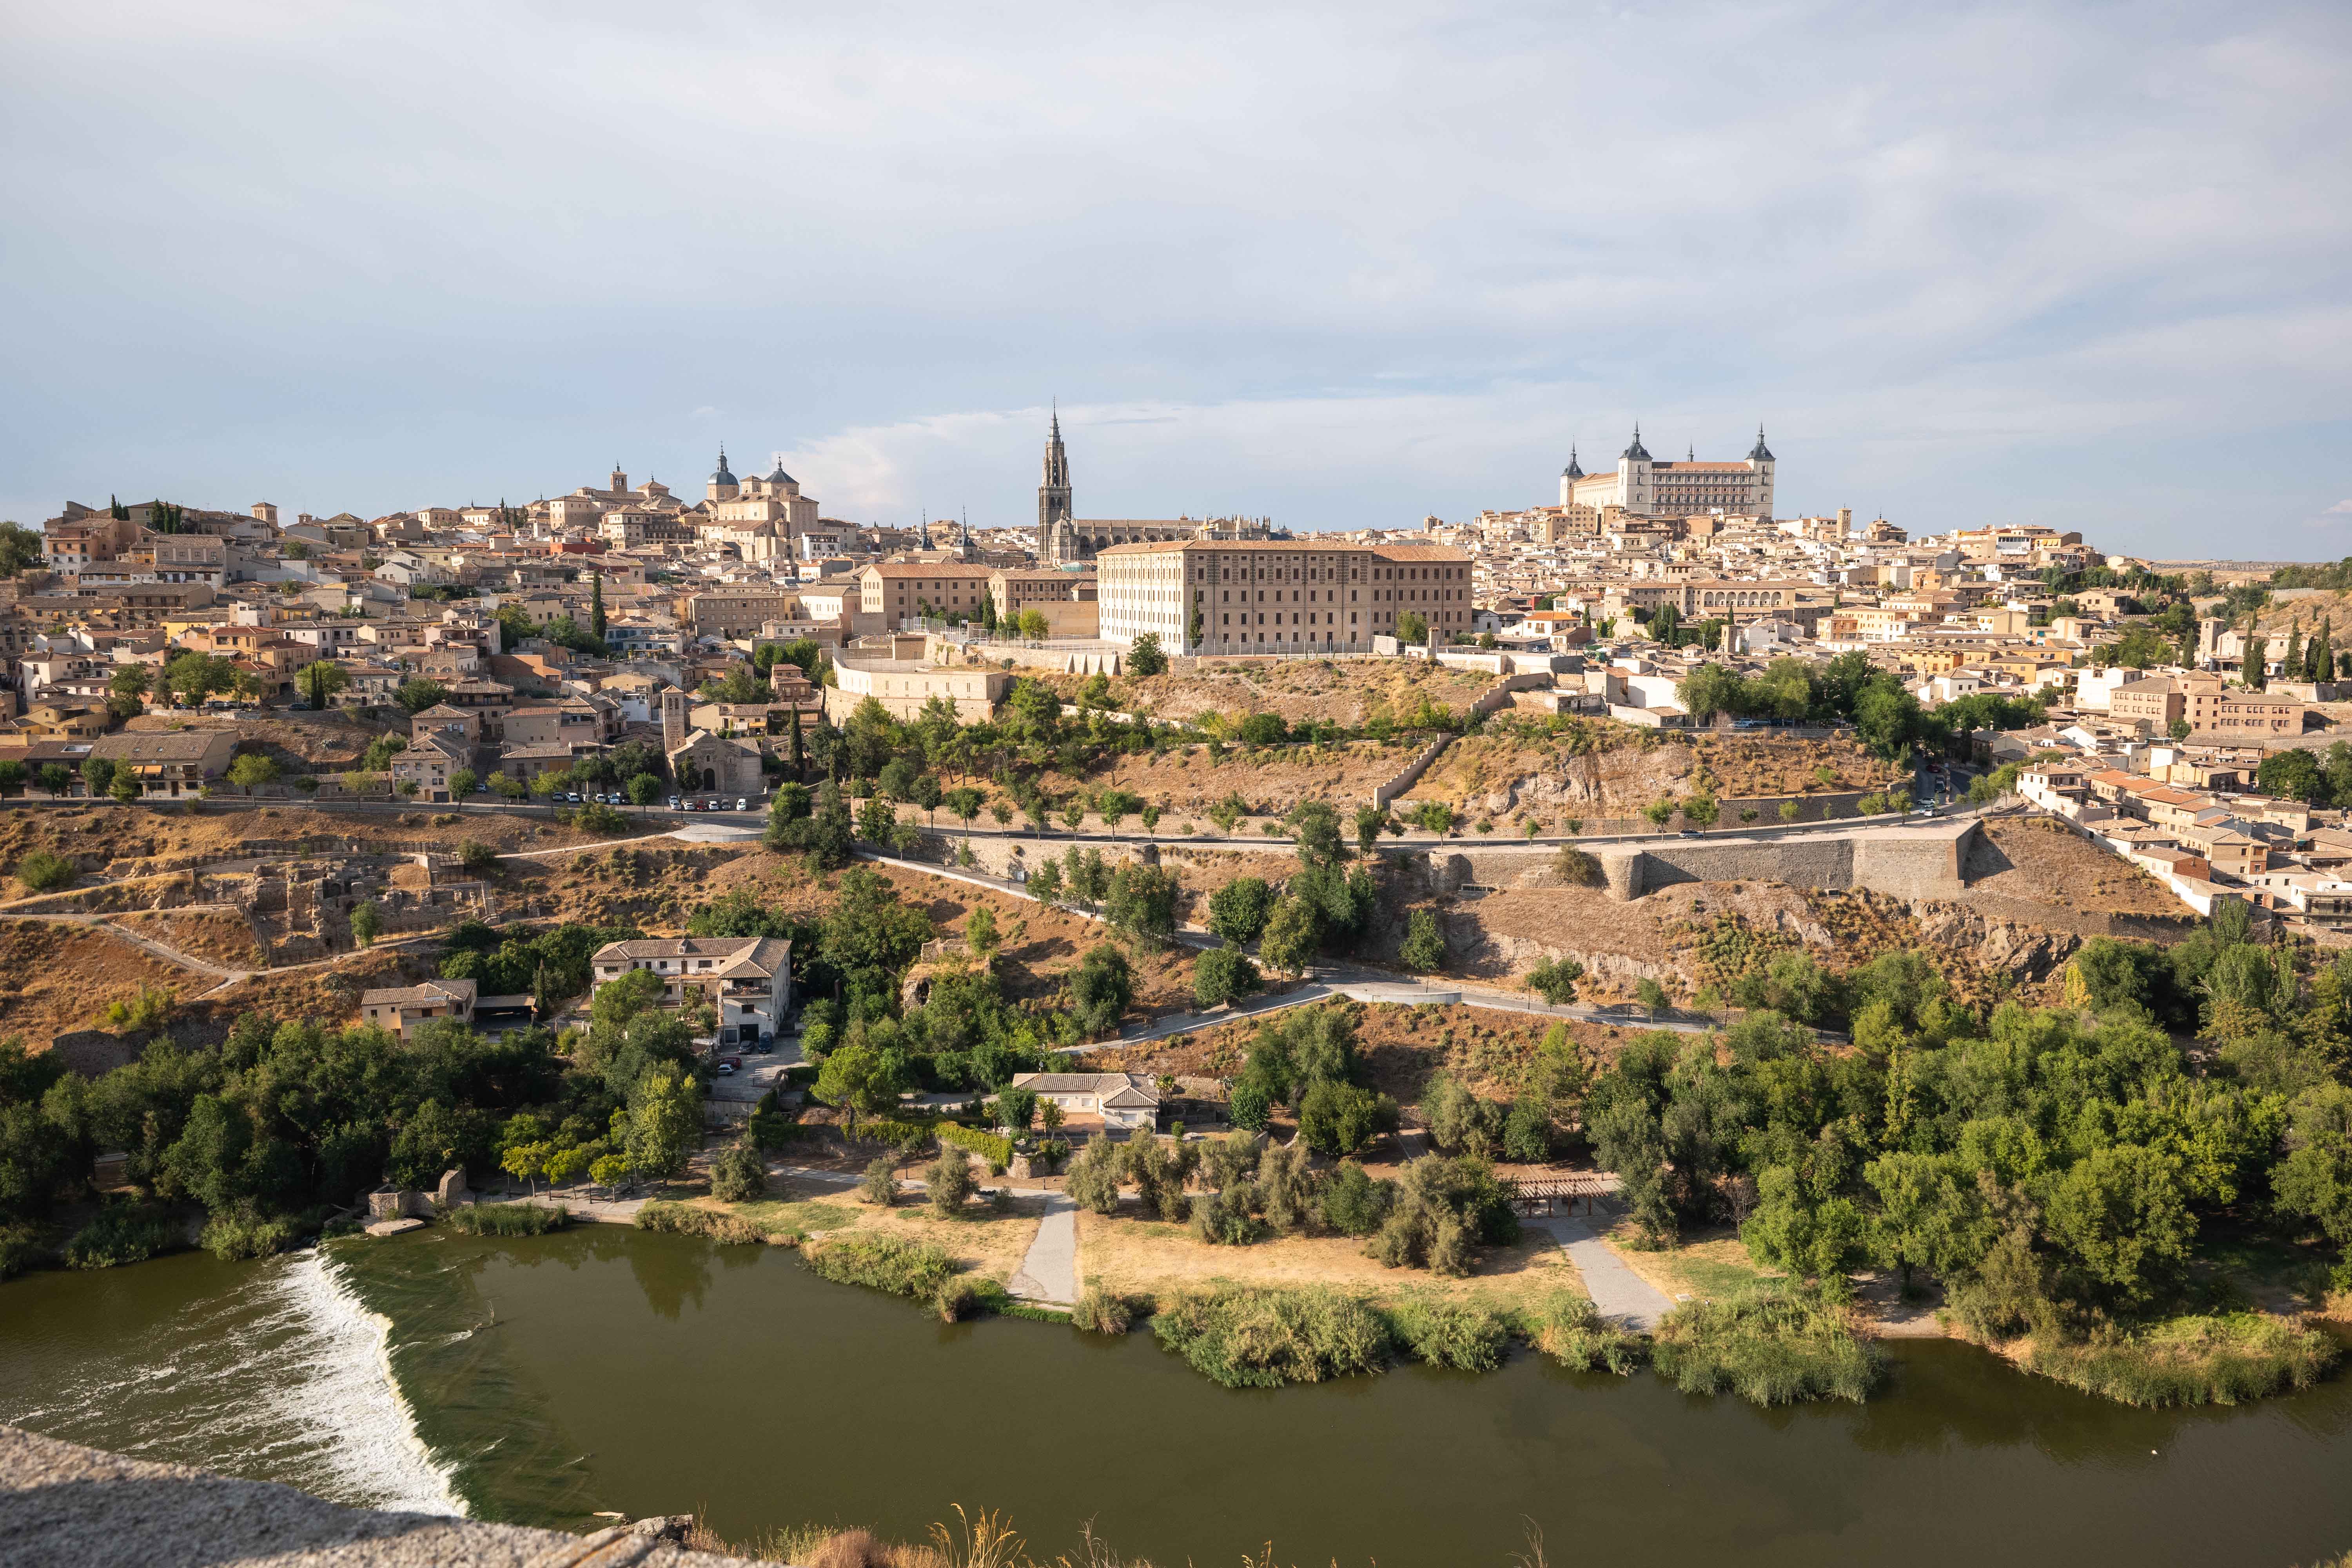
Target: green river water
(541, 1380)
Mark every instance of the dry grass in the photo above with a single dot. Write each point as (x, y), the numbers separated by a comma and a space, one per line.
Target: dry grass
(1130, 1256)
(57, 978)
(1711, 1264)
(981, 1243)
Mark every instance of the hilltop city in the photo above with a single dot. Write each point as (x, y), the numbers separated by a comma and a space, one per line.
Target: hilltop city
(519, 641)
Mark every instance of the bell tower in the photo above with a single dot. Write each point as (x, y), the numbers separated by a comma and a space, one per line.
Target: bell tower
(1054, 541)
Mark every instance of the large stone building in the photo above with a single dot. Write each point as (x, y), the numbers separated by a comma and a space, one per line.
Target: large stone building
(759, 516)
(1063, 539)
(1227, 597)
(1647, 488)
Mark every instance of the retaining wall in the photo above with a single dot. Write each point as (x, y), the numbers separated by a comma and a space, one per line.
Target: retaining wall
(1907, 862)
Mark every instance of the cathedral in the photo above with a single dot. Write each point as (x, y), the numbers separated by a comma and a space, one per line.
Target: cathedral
(1066, 540)
(1644, 487)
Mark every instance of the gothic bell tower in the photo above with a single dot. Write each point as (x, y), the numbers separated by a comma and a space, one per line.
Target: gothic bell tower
(1055, 540)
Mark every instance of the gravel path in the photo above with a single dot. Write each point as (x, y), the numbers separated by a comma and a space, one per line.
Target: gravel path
(1049, 1275)
(1617, 1290)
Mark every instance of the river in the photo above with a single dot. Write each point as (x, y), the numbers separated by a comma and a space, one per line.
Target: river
(541, 1380)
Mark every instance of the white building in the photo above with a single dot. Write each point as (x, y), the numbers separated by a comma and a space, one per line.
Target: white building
(747, 980)
(1278, 596)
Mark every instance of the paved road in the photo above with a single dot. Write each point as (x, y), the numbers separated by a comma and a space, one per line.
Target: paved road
(1621, 1295)
(1049, 1274)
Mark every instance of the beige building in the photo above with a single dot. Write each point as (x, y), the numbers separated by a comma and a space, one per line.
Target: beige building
(730, 613)
(904, 685)
(746, 979)
(1647, 488)
(1067, 599)
(2232, 713)
(901, 590)
(1278, 596)
(399, 1008)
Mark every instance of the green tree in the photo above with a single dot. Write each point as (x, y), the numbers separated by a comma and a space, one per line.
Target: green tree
(663, 1123)
(1223, 974)
(1142, 903)
(1424, 947)
(863, 1080)
(366, 923)
(252, 770)
(1412, 628)
(1555, 980)
(595, 607)
(320, 680)
(416, 694)
(1101, 990)
(1144, 656)
(1290, 936)
(20, 549)
(1238, 911)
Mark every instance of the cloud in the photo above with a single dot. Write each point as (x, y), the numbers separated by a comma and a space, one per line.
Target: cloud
(1350, 265)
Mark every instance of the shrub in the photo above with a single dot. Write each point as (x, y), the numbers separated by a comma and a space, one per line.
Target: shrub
(42, 871)
(1575, 867)
(120, 1233)
(1094, 1177)
(997, 1151)
(888, 1129)
(1772, 1344)
(737, 1175)
(2219, 1358)
(913, 1268)
(880, 1182)
(1555, 980)
(1459, 1334)
(233, 1237)
(1353, 1203)
(1570, 1330)
(21, 1248)
(1101, 1313)
(599, 818)
(949, 1182)
(1424, 947)
(1223, 1218)
(508, 1219)
(684, 1219)
(957, 1299)
(1256, 1337)
(1444, 1210)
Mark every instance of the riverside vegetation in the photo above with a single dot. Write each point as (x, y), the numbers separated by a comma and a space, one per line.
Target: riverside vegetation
(2067, 1175)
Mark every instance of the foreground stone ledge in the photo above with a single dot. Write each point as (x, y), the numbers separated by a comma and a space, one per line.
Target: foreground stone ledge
(65, 1505)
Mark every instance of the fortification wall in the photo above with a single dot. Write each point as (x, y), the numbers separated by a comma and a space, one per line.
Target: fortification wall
(1906, 862)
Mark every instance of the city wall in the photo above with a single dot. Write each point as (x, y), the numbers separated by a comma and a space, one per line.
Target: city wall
(1907, 862)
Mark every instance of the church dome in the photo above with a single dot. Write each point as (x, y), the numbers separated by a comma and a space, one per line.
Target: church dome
(782, 477)
(722, 477)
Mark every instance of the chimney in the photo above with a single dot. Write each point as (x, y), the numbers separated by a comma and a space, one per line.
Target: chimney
(673, 719)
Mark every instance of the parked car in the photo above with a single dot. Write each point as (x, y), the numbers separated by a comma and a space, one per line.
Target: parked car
(673, 804)
(742, 804)
(724, 1069)
(732, 1061)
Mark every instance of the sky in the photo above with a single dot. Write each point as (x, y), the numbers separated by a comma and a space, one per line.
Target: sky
(1345, 266)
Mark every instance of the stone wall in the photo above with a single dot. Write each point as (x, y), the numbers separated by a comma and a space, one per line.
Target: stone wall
(1906, 862)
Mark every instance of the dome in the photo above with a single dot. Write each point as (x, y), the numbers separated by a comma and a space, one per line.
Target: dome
(722, 477)
(780, 476)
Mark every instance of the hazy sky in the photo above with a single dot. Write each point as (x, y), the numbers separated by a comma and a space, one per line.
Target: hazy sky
(2078, 265)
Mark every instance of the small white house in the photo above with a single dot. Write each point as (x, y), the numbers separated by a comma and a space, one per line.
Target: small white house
(1120, 1098)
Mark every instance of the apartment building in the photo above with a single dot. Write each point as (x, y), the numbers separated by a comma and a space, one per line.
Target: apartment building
(746, 980)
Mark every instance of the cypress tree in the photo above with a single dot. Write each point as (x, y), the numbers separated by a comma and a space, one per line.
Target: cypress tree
(2253, 665)
(596, 604)
(2322, 657)
(2292, 665)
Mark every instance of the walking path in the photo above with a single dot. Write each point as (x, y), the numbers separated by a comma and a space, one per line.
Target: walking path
(1049, 1275)
(1619, 1292)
